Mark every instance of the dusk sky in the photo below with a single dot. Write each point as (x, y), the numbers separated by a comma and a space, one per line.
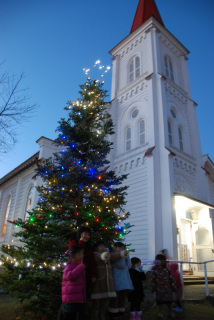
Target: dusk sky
(53, 40)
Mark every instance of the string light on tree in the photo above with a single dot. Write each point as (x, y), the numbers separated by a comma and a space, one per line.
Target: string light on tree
(79, 189)
(101, 67)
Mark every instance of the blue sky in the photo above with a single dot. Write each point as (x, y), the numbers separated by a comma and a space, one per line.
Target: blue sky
(53, 40)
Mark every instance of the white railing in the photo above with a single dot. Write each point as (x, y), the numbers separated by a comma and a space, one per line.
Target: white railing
(151, 262)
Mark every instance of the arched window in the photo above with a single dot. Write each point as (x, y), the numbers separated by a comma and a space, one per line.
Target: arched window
(173, 113)
(169, 68)
(128, 138)
(180, 136)
(7, 210)
(170, 132)
(134, 69)
(29, 202)
(142, 132)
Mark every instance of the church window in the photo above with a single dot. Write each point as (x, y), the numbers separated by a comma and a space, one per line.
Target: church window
(170, 131)
(6, 216)
(169, 68)
(142, 132)
(137, 67)
(173, 113)
(128, 138)
(134, 69)
(202, 236)
(135, 113)
(180, 136)
(29, 202)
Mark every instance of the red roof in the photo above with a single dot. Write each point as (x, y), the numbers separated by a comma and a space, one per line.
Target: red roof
(145, 10)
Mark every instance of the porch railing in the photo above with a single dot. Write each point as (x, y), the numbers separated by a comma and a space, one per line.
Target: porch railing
(151, 262)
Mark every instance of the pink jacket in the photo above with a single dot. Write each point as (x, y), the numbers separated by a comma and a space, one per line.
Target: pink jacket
(174, 269)
(74, 283)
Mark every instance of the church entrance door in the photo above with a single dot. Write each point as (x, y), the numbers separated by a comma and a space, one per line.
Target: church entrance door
(185, 244)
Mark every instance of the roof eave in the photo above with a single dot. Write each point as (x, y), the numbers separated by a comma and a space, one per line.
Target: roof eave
(25, 165)
(151, 22)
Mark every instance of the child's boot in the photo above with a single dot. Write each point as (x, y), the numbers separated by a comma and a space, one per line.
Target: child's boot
(132, 315)
(138, 315)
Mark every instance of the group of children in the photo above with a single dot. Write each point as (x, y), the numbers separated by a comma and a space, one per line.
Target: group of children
(107, 278)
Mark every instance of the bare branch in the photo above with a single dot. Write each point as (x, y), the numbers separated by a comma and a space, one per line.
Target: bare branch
(15, 108)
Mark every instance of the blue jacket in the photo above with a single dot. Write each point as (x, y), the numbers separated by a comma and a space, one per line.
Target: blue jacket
(120, 270)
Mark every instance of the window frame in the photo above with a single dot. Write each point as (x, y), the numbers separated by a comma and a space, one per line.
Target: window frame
(6, 215)
(27, 206)
(134, 70)
(128, 137)
(169, 70)
(170, 131)
(142, 133)
(180, 138)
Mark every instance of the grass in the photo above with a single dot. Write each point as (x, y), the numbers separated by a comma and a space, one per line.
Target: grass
(192, 311)
(10, 309)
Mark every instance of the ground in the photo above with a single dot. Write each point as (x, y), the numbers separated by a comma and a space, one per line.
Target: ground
(193, 310)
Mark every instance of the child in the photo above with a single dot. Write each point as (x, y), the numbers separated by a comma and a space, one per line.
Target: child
(166, 254)
(136, 296)
(103, 288)
(163, 285)
(122, 281)
(178, 296)
(73, 285)
(84, 240)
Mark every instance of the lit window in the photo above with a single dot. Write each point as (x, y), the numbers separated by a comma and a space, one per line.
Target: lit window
(180, 136)
(29, 202)
(142, 132)
(6, 216)
(134, 69)
(169, 68)
(128, 139)
(170, 131)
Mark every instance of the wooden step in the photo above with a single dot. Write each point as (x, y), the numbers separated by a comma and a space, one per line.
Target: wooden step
(189, 272)
(193, 280)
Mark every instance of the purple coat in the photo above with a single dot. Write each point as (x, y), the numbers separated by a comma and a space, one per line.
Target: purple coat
(74, 283)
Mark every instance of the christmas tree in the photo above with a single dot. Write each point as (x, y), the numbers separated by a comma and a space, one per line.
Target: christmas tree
(79, 189)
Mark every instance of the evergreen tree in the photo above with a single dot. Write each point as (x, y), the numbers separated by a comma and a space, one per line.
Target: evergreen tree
(78, 190)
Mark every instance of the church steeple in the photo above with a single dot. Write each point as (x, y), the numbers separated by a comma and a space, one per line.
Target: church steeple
(145, 10)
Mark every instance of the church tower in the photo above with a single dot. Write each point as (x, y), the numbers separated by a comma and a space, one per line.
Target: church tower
(156, 139)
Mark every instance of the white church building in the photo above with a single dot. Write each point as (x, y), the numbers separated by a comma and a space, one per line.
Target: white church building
(156, 142)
